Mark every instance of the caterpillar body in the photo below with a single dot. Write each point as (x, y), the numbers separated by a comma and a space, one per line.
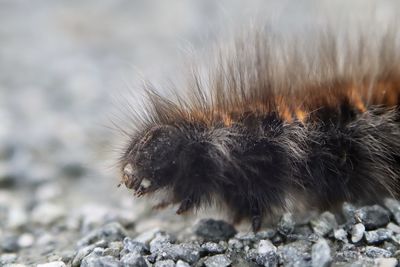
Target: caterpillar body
(275, 122)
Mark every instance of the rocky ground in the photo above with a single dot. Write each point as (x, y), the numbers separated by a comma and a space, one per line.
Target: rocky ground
(61, 65)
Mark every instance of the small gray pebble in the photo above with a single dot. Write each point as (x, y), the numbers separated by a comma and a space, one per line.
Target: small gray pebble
(9, 243)
(375, 252)
(378, 236)
(340, 234)
(212, 248)
(218, 261)
(393, 227)
(286, 224)
(7, 258)
(104, 261)
(81, 253)
(295, 253)
(324, 224)
(266, 234)
(266, 254)
(135, 246)
(235, 244)
(394, 206)
(110, 232)
(52, 264)
(372, 216)
(357, 232)
(214, 230)
(348, 211)
(160, 240)
(386, 262)
(111, 252)
(181, 263)
(165, 263)
(321, 254)
(133, 260)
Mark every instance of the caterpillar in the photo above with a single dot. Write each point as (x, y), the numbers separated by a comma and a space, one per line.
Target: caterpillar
(273, 123)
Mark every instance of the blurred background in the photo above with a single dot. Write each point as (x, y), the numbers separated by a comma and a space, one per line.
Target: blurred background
(62, 65)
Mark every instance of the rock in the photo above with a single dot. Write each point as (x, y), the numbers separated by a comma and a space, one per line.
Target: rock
(393, 227)
(378, 236)
(375, 252)
(7, 258)
(135, 246)
(181, 263)
(324, 224)
(235, 244)
(26, 240)
(341, 235)
(295, 254)
(110, 232)
(286, 224)
(321, 254)
(52, 264)
(218, 261)
(214, 230)
(357, 232)
(165, 263)
(212, 248)
(187, 252)
(266, 234)
(160, 240)
(47, 213)
(386, 262)
(348, 211)
(9, 243)
(266, 254)
(80, 254)
(111, 252)
(104, 261)
(146, 237)
(394, 206)
(372, 217)
(133, 259)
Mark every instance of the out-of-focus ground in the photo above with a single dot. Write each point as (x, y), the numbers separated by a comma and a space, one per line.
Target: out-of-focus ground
(61, 64)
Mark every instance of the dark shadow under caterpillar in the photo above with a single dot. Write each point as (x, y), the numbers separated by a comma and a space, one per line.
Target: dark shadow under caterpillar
(276, 124)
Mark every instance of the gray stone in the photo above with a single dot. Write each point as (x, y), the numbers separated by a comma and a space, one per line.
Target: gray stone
(185, 251)
(218, 261)
(133, 260)
(7, 258)
(81, 253)
(181, 263)
(9, 243)
(393, 227)
(111, 252)
(324, 224)
(286, 224)
(212, 248)
(375, 252)
(348, 211)
(386, 262)
(47, 213)
(102, 261)
(235, 244)
(357, 232)
(214, 230)
(341, 235)
(266, 254)
(394, 206)
(110, 232)
(378, 236)
(295, 254)
(372, 216)
(160, 240)
(321, 254)
(266, 234)
(165, 263)
(135, 246)
(52, 264)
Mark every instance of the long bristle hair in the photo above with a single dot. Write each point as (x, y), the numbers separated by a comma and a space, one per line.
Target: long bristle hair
(275, 122)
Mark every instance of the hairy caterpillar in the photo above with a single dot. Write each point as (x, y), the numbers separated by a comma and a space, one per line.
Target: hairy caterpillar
(274, 123)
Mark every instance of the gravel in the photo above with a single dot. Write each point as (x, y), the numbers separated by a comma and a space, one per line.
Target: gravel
(59, 201)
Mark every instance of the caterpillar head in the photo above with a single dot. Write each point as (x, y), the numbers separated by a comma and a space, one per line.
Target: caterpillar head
(173, 158)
